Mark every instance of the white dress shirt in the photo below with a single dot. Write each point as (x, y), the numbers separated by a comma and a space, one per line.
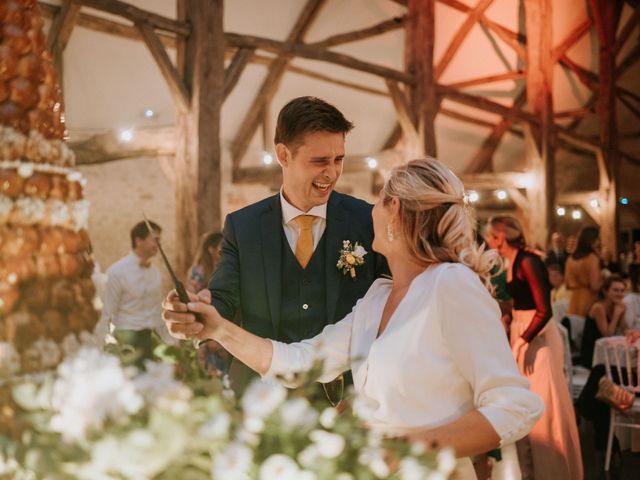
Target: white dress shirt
(132, 298)
(442, 354)
(291, 228)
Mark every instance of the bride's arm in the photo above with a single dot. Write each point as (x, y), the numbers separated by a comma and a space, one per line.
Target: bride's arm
(267, 357)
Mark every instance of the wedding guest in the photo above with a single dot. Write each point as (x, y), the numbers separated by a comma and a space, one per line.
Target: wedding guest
(632, 301)
(607, 264)
(426, 347)
(559, 291)
(606, 317)
(552, 448)
(572, 242)
(557, 255)
(205, 262)
(582, 272)
(132, 292)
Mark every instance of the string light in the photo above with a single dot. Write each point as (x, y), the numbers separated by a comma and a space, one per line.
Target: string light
(594, 203)
(501, 194)
(148, 113)
(624, 201)
(267, 158)
(576, 214)
(372, 163)
(561, 211)
(126, 135)
(474, 196)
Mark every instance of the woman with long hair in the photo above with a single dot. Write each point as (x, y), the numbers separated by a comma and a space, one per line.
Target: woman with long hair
(426, 348)
(582, 273)
(552, 448)
(205, 262)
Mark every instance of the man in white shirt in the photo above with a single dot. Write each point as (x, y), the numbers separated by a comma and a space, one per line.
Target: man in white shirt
(133, 293)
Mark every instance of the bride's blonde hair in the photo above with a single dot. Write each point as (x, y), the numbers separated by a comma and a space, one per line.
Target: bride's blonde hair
(433, 217)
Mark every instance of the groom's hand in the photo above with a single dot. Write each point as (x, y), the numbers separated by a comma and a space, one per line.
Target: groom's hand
(180, 323)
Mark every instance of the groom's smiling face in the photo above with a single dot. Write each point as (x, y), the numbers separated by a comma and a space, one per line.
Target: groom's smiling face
(311, 168)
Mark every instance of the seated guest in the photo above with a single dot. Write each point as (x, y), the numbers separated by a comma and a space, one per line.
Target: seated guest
(632, 302)
(606, 317)
(559, 290)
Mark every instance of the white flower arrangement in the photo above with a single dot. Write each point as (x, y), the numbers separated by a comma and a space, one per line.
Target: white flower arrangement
(350, 258)
(95, 417)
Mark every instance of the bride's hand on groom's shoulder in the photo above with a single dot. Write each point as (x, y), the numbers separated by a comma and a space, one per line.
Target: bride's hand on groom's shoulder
(181, 321)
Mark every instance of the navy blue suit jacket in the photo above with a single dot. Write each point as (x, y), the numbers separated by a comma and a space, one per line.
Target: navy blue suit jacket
(246, 286)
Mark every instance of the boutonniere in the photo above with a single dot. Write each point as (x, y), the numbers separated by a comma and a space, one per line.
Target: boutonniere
(350, 258)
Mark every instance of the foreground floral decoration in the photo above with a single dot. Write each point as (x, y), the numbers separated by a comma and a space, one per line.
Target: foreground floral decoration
(97, 417)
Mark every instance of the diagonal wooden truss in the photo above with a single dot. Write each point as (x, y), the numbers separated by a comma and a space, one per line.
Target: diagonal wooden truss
(415, 92)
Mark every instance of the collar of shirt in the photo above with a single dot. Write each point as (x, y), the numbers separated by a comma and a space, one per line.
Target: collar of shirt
(134, 259)
(289, 212)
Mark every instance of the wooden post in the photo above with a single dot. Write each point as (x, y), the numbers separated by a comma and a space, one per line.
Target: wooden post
(419, 42)
(606, 17)
(198, 150)
(539, 139)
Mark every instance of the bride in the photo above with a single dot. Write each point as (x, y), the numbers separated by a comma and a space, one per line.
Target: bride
(426, 348)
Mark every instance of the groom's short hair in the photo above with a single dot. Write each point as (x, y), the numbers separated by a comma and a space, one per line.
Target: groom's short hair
(307, 115)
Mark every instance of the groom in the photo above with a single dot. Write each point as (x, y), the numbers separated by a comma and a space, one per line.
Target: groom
(277, 275)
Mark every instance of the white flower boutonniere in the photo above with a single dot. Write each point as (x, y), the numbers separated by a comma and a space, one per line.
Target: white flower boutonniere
(350, 258)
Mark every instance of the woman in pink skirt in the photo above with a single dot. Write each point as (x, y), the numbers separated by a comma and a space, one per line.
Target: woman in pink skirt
(552, 449)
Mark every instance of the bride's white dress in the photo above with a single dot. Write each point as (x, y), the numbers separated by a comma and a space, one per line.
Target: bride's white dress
(443, 353)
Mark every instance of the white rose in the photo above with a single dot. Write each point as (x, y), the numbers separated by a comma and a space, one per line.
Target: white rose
(216, 427)
(309, 456)
(279, 467)
(359, 251)
(328, 417)
(330, 445)
(262, 398)
(297, 413)
(411, 469)
(446, 460)
(232, 463)
(254, 424)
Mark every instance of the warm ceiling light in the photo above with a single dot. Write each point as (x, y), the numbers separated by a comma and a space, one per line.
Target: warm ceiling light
(267, 158)
(561, 211)
(372, 163)
(126, 135)
(474, 197)
(576, 214)
(501, 194)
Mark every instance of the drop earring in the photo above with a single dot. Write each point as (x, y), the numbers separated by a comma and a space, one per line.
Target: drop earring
(389, 232)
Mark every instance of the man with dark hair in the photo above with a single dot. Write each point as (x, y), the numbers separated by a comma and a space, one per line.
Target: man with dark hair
(132, 294)
(277, 274)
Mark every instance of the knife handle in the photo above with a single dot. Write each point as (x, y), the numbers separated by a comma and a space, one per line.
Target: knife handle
(184, 298)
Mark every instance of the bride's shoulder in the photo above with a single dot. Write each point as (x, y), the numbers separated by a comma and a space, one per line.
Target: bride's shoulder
(454, 274)
(380, 285)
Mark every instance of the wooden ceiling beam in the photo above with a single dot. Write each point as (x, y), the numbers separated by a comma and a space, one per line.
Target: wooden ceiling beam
(137, 15)
(571, 39)
(515, 40)
(234, 70)
(515, 75)
(104, 25)
(265, 94)
(485, 104)
(356, 35)
(306, 51)
(627, 30)
(482, 160)
(456, 42)
(62, 25)
(180, 94)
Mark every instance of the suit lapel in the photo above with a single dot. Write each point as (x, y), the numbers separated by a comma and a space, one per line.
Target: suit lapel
(271, 230)
(337, 230)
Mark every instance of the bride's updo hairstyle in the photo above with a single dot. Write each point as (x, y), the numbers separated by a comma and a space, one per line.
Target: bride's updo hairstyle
(433, 217)
(511, 228)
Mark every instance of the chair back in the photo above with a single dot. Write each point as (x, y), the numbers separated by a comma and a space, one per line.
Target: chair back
(619, 355)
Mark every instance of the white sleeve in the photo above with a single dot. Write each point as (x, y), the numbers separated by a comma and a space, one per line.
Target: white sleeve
(110, 304)
(332, 346)
(473, 332)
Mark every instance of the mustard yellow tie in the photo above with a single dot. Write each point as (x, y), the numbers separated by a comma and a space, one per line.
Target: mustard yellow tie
(304, 247)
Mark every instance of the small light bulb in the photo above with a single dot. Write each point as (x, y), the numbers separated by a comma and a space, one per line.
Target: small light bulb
(501, 194)
(561, 211)
(267, 158)
(126, 135)
(594, 203)
(474, 197)
(372, 163)
(624, 201)
(148, 113)
(576, 214)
